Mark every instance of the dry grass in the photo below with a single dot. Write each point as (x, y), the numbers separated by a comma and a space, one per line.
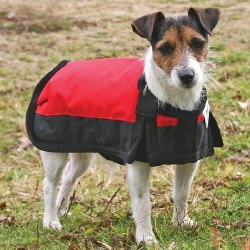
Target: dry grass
(45, 32)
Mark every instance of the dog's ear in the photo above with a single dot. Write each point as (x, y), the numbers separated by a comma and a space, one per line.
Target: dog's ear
(207, 18)
(146, 26)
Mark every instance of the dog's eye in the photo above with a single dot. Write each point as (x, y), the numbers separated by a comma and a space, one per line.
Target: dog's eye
(197, 44)
(166, 49)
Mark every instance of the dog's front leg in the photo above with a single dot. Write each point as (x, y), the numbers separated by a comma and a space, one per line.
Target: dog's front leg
(184, 175)
(138, 175)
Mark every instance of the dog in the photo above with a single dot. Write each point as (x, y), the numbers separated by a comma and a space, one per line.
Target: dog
(175, 74)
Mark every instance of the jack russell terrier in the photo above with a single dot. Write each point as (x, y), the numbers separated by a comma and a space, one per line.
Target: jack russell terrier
(139, 113)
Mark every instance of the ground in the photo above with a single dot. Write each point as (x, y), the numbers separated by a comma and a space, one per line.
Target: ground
(34, 37)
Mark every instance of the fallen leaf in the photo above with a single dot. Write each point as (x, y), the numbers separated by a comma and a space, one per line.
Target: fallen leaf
(73, 246)
(172, 245)
(242, 236)
(97, 244)
(246, 152)
(199, 189)
(237, 158)
(237, 176)
(246, 246)
(9, 219)
(237, 96)
(225, 225)
(216, 221)
(3, 205)
(245, 105)
(104, 244)
(240, 223)
(210, 184)
(24, 143)
(69, 236)
(239, 173)
(216, 236)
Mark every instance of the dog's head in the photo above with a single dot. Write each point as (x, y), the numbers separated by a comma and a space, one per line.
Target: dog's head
(179, 44)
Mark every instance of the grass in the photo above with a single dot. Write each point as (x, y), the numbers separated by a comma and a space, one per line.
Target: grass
(42, 35)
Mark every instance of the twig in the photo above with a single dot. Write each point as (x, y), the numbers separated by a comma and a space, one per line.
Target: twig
(37, 235)
(37, 185)
(179, 223)
(113, 196)
(71, 201)
(192, 208)
(111, 199)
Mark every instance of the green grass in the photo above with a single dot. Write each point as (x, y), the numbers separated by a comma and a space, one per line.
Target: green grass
(91, 224)
(220, 195)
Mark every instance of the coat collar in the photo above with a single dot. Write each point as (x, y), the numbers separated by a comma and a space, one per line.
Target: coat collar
(148, 104)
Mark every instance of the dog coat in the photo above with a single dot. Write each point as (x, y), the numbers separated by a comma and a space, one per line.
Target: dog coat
(104, 106)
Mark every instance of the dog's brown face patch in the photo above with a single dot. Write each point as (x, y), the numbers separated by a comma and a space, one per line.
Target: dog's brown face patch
(177, 45)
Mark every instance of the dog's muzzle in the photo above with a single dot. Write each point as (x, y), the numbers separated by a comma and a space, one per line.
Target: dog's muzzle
(186, 77)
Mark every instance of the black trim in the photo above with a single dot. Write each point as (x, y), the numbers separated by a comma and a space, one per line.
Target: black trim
(78, 134)
(216, 135)
(30, 115)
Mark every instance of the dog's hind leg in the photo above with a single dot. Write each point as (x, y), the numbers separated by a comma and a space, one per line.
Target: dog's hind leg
(78, 164)
(184, 175)
(53, 164)
(138, 176)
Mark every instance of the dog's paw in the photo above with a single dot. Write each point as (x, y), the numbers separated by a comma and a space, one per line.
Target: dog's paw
(185, 222)
(55, 225)
(147, 238)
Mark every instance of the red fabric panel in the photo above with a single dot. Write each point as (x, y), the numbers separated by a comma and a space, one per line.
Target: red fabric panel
(165, 121)
(200, 118)
(101, 88)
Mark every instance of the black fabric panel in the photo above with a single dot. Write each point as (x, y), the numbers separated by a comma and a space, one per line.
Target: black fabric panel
(77, 134)
(188, 158)
(215, 131)
(180, 144)
(147, 104)
(202, 136)
(139, 151)
(115, 140)
(153, 146)
(30, 115)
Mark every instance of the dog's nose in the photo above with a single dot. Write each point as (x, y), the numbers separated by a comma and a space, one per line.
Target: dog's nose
(186, 76)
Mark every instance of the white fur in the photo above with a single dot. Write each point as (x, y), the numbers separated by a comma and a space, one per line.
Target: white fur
(184, 175)
(167, 89)
(138, 178)
(53, 164)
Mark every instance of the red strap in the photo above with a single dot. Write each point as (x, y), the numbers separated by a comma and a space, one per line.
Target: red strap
(165, 121)
(200, 118)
